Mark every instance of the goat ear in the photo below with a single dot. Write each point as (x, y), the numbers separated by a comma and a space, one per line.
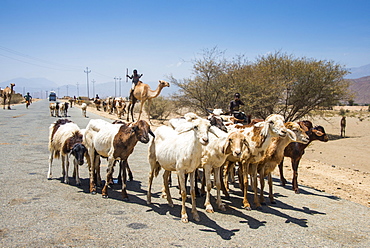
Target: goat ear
(291, 135)
(186, 129)
(226, 149)
(317, 132)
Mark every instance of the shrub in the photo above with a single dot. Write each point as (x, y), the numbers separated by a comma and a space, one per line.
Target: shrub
(160, 108)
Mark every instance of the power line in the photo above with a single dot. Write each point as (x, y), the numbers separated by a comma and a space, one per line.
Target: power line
(69, 67)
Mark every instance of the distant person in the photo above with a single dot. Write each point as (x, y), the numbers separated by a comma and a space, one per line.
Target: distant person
(97, 96)
(234, 108)
(135, 79)
(28, 99)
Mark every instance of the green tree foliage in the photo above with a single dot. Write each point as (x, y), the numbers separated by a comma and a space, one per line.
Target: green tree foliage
(274, 83)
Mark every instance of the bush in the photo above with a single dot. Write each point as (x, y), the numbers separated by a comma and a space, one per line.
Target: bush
(160, 108)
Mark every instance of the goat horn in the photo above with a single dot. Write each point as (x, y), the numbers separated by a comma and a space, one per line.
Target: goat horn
(151, 133)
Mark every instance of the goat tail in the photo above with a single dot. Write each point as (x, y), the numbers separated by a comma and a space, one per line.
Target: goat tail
(157, 169)
(57, 154)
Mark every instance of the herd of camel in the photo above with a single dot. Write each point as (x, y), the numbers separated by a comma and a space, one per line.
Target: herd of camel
(142, 93)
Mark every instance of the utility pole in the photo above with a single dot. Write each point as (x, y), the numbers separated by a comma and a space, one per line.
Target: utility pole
(115, 86)
(120, 94)
(78, 94)
(93, 82)
(87, 82)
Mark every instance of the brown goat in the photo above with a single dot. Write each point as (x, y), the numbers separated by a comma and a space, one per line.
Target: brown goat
(295, 151)
(115, 142)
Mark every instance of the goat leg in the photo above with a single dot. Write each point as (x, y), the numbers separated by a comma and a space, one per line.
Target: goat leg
(193, 200)
(281, 170)
(124, 179)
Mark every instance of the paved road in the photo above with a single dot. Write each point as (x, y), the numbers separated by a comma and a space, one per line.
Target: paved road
(36, 212)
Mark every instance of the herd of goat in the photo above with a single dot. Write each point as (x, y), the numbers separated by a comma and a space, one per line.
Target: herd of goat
(188, 144)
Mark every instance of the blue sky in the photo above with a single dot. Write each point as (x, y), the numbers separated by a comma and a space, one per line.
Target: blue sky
(57, 40)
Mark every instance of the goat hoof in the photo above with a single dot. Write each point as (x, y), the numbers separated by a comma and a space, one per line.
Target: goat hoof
(93, 193)
(222, 208)
(259, 208)
(49, 178)
(209, 209)
(247, 208)
(105, 196)
(126, 199)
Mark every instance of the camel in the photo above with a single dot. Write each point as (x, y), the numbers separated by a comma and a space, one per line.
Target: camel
(143, 93)
(7, 95)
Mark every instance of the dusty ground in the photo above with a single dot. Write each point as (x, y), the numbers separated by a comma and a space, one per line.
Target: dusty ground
(340, 167)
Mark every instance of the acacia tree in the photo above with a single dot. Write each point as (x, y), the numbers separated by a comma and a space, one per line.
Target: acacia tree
(275, 83)
(211, 84)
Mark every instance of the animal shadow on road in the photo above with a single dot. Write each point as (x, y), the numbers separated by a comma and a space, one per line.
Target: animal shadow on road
(138, 196)
(303, 190)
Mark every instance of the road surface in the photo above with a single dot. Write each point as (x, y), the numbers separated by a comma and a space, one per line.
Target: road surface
(36, 212)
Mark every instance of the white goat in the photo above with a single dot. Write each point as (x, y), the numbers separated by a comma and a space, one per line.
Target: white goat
(65, 138)
(84, 107)
(181, 152)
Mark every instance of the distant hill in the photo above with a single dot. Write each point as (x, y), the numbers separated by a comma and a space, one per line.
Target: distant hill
(359, 72)
(361, 87)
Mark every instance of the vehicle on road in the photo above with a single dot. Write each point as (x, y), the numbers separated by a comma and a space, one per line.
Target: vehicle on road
(52, 96)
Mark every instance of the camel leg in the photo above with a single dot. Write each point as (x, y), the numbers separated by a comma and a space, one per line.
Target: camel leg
(149, 102)
(141, 108)
(9, 103)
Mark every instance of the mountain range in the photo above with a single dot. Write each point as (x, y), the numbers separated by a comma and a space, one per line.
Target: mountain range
(40, 87)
